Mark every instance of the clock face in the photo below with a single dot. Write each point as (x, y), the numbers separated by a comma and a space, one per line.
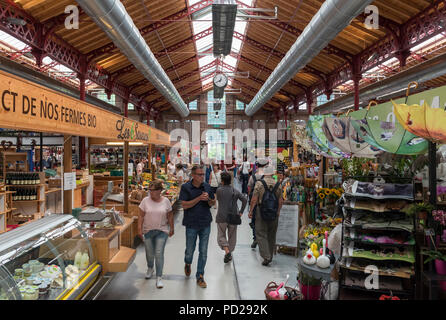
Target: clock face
(220, 80)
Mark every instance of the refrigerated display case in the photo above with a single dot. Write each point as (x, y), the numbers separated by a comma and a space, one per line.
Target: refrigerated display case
(47, 259)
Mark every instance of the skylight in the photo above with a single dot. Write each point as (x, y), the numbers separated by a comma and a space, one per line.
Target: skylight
(206, 43)
(13, 42)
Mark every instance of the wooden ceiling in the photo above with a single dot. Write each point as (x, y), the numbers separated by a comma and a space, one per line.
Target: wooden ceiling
(268, 42)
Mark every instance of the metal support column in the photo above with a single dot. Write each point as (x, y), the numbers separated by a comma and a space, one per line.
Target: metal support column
(126, 164)
(126, 176)
(41, 152)
(357, 76)
(67, 168)
(82, 146)
(432, 173)
(309, 96)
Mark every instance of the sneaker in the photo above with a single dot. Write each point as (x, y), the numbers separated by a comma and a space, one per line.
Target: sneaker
(266, 262)
(149, 273)
(201, 282)
(187, 270)
(254, 244)
(159, 282)
(228, 257)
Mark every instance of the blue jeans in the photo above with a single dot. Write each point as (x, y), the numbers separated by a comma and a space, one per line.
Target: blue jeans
(191, 241)
(155, 241)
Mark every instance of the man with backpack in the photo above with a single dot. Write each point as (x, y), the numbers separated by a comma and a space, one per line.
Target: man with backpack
(267, 196)
(251, 183)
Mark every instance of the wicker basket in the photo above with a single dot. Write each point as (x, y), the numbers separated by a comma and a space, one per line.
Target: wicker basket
(273, 286)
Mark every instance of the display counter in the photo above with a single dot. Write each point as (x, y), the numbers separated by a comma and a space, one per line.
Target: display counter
(109, 246)
(48, 259)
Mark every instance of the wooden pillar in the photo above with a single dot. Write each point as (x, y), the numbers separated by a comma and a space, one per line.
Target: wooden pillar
(165, 158)
(295, 152)
(67, 168)
(126, 176)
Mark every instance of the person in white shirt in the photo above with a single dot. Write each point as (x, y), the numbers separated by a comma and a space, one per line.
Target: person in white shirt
(215, 177)
(244, 172)
(170, 168)
(139, 170)
(180, 175)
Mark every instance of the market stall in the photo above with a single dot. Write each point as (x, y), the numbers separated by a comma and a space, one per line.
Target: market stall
(108, 235)
(380, 204)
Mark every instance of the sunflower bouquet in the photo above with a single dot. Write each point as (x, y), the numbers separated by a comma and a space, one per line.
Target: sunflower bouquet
(333, 193)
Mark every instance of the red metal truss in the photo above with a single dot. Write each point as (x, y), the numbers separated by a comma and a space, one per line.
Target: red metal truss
(297, 32)
(418, 29)
(46, 43)
(185, 42)
(155, 26)
(260, 66)
(186, 76)
(233, 69)
(258, 45)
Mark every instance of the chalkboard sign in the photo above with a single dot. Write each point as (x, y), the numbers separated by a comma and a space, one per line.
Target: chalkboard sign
(288, 226)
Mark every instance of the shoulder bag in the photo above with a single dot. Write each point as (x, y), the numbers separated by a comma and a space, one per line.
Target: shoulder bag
(233, 218)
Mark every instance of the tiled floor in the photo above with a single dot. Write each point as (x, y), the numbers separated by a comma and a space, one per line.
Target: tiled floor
(244, 278)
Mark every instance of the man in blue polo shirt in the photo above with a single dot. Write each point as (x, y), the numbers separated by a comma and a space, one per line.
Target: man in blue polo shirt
(197, 198)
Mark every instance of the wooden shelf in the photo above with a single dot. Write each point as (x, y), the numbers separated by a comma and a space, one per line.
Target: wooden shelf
(53, 190)
(383, 272)
(30, 201)
(122, 260)
(83, 185)
(25, 185)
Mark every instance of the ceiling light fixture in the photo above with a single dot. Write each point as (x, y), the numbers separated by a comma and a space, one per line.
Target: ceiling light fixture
(16, 21)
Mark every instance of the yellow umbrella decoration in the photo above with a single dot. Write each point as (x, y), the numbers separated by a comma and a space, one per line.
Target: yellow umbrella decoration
(423, 121)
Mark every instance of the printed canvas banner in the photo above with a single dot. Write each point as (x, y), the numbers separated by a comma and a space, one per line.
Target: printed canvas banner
(381, 129)
(343, 135)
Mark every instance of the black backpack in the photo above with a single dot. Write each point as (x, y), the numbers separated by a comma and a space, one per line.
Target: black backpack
(270, 203)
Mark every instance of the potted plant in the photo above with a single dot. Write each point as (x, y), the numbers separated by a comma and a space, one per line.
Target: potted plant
(419, 210)
(310, 287)
(439, 261)
(439, 220)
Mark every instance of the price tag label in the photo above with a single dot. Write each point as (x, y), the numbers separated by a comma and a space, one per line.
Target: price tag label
(69, 181)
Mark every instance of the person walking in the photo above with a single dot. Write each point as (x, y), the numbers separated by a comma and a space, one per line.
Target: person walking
(197, 198)
(227, 198)
(170, 168)
(215, 178)
(251, 183)
(179, 174)
(267, 195)
(244, 172)
(155, 226)
(139, 171)
(230, 169)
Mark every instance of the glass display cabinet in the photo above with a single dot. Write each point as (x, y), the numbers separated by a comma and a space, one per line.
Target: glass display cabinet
(47, 259)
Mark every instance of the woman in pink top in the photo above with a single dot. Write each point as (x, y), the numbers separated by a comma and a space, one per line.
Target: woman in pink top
(155, 225)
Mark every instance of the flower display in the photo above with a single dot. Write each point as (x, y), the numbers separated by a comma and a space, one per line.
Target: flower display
(439, 216)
